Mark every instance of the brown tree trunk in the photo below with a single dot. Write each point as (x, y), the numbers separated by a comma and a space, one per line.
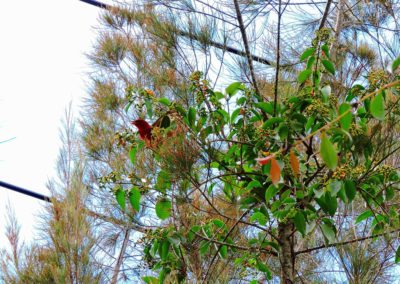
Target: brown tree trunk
(286, 256)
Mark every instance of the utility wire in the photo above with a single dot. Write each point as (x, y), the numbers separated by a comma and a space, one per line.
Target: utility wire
(194, 37)
(25, 191)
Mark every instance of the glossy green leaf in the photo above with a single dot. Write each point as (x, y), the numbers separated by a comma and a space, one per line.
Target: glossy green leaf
(328, 66)
(120, 196)
(270, 122)
(219, 223)
(300, 223)
(164, 249)
(223, 251)
(134, 198)
(331, 203)
(265, 107)
(328, 152)
(259, 217)
(307, 53)
(377, 107)
(233, 88)
(235, 114)
(395, 64)
(363, 216)
(328, 232)
(132, 155)
(303, 76)
(164, 101)
(270, 192)
(325, 49)
(262, 266)
(163, 209)
(253, 184)
(345, 121)
(310, 63)
(350, 189)
(192, 116)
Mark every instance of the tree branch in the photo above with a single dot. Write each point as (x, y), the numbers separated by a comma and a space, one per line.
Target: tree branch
(345, 243)
(246, 46)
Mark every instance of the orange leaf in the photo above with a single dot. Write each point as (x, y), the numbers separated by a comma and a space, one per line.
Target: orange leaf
(275, 171)
(294, 163)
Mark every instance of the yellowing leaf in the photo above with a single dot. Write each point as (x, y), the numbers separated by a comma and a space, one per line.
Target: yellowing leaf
(294, 163)
(275, 171)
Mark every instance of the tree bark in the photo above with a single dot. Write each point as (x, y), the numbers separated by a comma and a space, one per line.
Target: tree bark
(286, 256)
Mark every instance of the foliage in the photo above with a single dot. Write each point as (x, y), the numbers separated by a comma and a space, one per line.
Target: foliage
(235, 184)
(280, 170)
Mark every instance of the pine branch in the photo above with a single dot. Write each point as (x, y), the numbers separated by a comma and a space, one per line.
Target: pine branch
(345, 243)
(246, 46)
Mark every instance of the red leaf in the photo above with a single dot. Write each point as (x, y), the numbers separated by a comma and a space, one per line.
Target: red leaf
(264, 160)
(294, 163)
(275, 171)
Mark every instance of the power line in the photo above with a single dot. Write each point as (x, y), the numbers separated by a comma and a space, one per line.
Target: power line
(191, 36)
(25, 191)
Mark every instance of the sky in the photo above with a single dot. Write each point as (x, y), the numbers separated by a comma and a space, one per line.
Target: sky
(43, 67)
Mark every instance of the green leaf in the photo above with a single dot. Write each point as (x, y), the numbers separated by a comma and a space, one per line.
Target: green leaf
(310, 62)
(350, 188)
(163, 209)
(120, 196)
(395, 64)
(149, 107)
(192, 116)
(270, 192)
(164, 101)
(253, 184)
(219, 223)
(325, 49)
(328, 66)
(328, 152)
(307, 53)
(265, 107)
(262, 266)
(150, 280)
(259, 217)
(328, 232)
(300, 223)
(283, 131)
(223, 251)
(204, 247)
(270, 122)
(132, 155)
(235, 114)
(363, 216)
(345, 121)
(397, 258)
(303, 76)
(377, 107)
(134, 198)
(331, 203)
(164, 249)
(233, 88)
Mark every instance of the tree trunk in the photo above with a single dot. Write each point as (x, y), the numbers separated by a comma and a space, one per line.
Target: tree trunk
(286, 256)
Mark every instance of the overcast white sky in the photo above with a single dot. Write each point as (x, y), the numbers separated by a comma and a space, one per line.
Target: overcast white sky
(42, 68)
